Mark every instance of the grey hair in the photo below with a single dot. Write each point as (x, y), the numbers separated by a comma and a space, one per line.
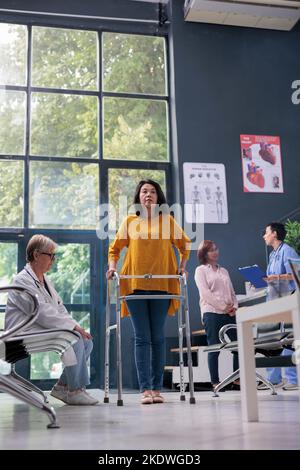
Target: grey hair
(39, 242)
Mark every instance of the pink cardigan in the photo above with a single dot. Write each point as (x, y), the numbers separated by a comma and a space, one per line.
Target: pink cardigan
(215, 289)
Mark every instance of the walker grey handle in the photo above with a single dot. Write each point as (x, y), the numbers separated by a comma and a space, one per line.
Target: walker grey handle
(149, 276)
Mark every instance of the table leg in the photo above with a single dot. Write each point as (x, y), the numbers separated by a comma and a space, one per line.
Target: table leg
(247, 371)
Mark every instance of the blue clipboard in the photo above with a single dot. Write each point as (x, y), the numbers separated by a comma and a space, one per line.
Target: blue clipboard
(254, 275)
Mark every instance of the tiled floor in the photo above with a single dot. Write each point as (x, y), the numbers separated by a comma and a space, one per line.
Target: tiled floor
(212, 423)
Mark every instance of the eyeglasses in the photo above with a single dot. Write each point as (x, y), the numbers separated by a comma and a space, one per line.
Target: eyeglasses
(51, 255)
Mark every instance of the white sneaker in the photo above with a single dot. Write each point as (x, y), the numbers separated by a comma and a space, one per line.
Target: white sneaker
(59, 392)
(262, 386)
(80, 397)
(289, 386)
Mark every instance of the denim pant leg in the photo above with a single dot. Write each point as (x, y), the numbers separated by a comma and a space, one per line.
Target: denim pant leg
(158, 314)
(232, 333)
(274, 375)
(290, 372)
(139, 315)
(212, 333)
(213, 322)
(77, 376)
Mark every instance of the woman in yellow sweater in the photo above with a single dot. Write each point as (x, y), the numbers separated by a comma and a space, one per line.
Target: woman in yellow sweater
(150, 237)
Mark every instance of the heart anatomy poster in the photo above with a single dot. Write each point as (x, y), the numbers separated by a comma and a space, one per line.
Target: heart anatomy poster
(205, 193)
(261, 163)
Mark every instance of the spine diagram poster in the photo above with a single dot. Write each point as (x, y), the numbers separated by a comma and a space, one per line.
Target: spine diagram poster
(261, 163)
(205, 193)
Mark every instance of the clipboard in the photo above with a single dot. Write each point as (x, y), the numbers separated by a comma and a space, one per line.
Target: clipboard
(254, 275)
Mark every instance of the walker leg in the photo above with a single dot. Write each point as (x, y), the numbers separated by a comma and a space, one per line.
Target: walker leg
(107, 338)
(188, 344)
(181, 364)
(119, 350)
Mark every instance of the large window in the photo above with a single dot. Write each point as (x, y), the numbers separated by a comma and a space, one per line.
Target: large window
(63, 195)
(144, 57)
(136, 129)
(8, 268)
(12, 129)
(71, 124)
(11, 193)
(64, 125)
(64, 58)
(13, 52)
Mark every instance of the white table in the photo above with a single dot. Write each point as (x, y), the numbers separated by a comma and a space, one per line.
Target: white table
(253, 295)
(282, 309)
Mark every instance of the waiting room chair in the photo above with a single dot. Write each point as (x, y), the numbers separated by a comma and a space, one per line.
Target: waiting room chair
(270, 341)
(16, 344)
(295, 267)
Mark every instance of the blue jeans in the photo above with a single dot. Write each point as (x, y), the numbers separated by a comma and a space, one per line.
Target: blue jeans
(213, 322)
(274, 373)
(77, 376)
(148, 319)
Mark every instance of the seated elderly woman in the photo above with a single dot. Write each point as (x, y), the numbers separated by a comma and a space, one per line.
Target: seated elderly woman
(40, 253)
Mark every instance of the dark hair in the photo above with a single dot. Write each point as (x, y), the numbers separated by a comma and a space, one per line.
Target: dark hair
(279, 228)
(204, 247)
(161, 198)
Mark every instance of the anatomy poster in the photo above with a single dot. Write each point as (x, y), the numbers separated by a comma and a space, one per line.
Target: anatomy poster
(205, 193)
(261, 163)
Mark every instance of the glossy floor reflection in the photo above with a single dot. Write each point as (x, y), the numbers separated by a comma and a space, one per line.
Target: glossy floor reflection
(212, 423)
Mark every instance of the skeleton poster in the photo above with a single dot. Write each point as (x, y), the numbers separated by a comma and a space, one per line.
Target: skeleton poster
(205, 193)
(261, 164)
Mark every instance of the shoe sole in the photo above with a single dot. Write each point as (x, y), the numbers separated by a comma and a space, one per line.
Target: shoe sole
(276, 386)
(81, 404)
(58, 398)
(65, 400)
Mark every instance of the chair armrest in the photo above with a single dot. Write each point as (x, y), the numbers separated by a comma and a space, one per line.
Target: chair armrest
(28, 319)
(255, 296)
(223, 331)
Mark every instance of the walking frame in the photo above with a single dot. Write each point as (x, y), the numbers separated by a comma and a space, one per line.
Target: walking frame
(183, 323)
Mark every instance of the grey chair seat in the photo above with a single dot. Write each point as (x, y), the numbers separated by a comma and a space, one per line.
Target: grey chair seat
(270, 341)
(17, 344)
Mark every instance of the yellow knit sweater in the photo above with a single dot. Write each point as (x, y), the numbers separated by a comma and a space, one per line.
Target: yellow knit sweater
(150, 251)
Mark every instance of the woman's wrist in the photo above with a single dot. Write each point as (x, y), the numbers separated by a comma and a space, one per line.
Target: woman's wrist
(110, 272)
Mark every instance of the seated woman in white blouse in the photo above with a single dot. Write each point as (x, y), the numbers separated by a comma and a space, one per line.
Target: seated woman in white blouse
(218, 303)
(40, 254)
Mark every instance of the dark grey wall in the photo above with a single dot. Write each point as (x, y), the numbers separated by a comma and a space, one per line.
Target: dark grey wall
(228, 81)
(231, 81)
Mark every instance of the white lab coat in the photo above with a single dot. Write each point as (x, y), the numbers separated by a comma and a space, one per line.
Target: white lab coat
(52, 312)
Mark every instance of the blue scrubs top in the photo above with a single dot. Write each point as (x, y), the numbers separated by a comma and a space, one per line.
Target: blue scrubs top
(279, 264)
